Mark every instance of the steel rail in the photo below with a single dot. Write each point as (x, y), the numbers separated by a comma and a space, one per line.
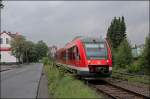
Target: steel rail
(117, 92)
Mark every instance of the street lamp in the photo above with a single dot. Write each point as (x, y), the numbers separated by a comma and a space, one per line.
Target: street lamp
(1, 5)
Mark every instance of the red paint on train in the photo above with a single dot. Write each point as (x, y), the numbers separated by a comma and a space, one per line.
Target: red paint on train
(87, 57)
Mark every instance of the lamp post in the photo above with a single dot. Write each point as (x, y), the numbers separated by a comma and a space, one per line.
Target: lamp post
(1, 5)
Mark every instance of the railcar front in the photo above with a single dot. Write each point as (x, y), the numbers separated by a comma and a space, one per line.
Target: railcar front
(96, 58)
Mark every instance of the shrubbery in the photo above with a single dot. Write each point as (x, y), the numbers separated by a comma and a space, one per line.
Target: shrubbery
(122, 58)
(134, 67)
(46, 61)
(61, 85)
(121, 48)
(144, 60)
(123, 55)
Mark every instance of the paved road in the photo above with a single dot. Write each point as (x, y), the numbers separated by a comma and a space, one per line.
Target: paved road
(7, 67)
(21, 82)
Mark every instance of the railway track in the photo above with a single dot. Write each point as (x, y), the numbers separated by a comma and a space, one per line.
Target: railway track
(114, 91)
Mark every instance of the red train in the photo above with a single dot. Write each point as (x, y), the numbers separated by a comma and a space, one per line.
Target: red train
(87, 56)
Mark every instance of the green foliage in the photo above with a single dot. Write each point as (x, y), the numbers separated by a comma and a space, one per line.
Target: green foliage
(123, 55)
(144, 59)
(61, 85)
(27, 51)
(116, 32)
(41, 49)
(122, 74)
(29, 55)
(46, 61)
(71, 88)
(134, 68)
(17, 46)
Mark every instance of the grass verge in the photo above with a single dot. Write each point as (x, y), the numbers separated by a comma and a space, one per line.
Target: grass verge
(144, 79)
(62, 85)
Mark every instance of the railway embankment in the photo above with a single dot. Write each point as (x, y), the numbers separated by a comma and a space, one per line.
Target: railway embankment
(132, 78)
(63, 85)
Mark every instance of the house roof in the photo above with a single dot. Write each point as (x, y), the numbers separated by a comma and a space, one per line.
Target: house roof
(10, 34)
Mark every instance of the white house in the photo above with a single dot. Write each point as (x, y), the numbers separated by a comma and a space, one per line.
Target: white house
(5, 48)
(137, 50)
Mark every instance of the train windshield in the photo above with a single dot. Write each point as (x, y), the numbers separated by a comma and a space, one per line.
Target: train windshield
(96, 50)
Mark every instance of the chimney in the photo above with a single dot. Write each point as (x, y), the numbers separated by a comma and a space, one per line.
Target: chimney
(17, 33)
(4, 31)
(9, 33)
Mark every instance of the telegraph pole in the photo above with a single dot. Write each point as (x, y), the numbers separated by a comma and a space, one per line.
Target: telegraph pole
(1, 5)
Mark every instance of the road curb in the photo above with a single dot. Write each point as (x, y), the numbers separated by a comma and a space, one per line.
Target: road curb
(42, 90)
(4, 70)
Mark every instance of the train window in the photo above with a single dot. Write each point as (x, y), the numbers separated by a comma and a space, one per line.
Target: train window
(96, 50)
(67, 55)
(64, 55)
(76, 53)
(73, 53)
(70, 53)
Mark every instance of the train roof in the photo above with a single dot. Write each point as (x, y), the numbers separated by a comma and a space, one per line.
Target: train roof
(86, 39)
(89, 39)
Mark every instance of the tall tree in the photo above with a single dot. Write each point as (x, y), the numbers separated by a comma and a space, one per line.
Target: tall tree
(17, 46)
(28, 47)
(123, 28)
(123, 55)
(144, 60)
(116, 31)
(41, 49)
(27, 51)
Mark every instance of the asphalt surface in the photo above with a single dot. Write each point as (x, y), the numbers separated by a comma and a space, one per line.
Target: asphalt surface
(21, 82)
(43, 87)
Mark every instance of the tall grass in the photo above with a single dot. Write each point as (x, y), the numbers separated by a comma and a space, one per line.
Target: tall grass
(61, 85)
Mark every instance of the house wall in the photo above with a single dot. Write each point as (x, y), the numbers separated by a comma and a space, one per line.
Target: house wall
(6, 56)
(4, 36)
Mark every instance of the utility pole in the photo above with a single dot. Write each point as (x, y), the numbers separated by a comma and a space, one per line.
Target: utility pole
(1, 5)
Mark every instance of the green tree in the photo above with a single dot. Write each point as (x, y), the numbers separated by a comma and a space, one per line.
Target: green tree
(116, 32)
(17, 46)
(123, 55)
(144, 59)
(28, 51)
(41, 49)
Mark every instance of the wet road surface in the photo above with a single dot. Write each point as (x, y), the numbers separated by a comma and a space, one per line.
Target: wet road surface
(21, 82)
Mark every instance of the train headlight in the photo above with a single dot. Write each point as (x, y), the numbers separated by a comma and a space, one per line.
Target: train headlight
(107, 61)
(89, 61)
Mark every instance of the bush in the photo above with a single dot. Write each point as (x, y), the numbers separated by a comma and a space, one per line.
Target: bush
(46, 61)
(70, 88)
(123, 55)
(144, 59)
(61, 85)
(134, 68)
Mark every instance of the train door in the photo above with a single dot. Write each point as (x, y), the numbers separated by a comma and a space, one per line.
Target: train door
(77, 56)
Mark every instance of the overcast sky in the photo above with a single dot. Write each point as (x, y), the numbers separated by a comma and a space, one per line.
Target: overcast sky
(58, 22)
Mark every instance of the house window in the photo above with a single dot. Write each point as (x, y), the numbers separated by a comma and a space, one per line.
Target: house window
(1, 41)
(7, 41)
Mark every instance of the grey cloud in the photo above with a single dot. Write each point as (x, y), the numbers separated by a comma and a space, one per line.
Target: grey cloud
(57, 22)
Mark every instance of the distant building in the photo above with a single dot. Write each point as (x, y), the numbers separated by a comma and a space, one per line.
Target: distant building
(52, 51)
(137, 50)
(5, 48)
